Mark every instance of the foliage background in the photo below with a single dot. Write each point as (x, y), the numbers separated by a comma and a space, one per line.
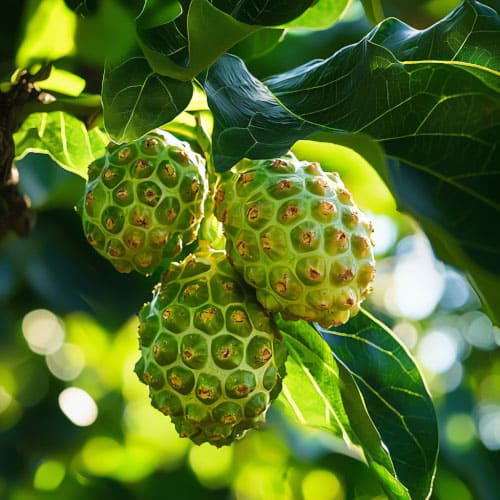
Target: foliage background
(88, 312)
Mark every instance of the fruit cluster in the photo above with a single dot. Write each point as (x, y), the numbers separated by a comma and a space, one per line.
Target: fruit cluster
(295, 244)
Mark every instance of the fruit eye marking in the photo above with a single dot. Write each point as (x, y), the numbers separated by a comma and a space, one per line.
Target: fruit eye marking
(141, 164)
(253, 213)
(245, 178)
(123, 154)
(219, 195)
(122, 193)
(191, 290)
(108, 174)
(169, 170)
(238, 317)
(241, 246)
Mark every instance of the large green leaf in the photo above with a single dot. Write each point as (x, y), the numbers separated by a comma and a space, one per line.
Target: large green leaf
(321, 15)
(190, 43)
(263, 12)
(203, 30)
(320, 393)
(311, 391)
(136, 99)
(430, 98)
(395, 395)
(62, 136)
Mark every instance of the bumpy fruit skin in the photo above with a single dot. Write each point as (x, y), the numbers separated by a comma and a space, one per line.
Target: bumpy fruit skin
(144, 201)
(295, 234)
(211, 356)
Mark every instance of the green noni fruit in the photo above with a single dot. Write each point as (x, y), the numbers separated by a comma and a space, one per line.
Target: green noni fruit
(210, 354)
(144, 201)
(294, 233)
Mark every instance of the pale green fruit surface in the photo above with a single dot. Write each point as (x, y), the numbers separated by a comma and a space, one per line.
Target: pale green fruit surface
(295, 234)
(211, 356)
(144, 201)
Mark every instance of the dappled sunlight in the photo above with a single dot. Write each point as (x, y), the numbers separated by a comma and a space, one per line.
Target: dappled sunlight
(322, 484)
(212, 466)
(78, 406)
(43, 331)
(49, 475)
(67, 362)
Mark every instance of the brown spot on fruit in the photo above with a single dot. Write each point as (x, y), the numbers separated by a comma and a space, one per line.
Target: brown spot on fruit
(175, 381)
(205, 393)
(219, 195)
(191, 290)
(347, 275)
(242, 389)
(169, 170)
(241, 247)
(238, 317)
(123, 154)
(245, 178)
(208, 314)
(122, 193)
(253, 213)
(284, 185)
(89, 198)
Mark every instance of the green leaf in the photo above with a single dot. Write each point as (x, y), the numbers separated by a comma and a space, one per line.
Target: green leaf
(108, 34)
(64, 138)
(244, 109)
(136, 99)
(395, 396)
(263, 12)
(321, 15)
(311, 388)
(63, 82)
(49, 33)
(376, 453)
(210, 32)
(258, 43)
(433, 107)
(373, 10)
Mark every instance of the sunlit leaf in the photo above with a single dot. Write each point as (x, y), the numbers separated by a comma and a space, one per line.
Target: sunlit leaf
(62, 136)
(311, 389)
(136, 99)
(395, 395)
(321, 15)
(63, 82)
(49, 33)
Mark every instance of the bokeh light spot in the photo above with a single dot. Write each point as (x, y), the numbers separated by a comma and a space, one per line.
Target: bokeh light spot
(78, 406)
(407, 333)
(457, 291)
(49, 475)
(478, 330)
(67, 362)
(5, 399)
(439, 349)
(102, 456)
(322, 484)
(212, 466)
(43, 331)
(489, 426)
(385, 234)
(460, 430)
(418, 279)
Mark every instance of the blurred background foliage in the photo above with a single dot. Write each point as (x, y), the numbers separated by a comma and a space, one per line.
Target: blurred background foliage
(74, 420)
